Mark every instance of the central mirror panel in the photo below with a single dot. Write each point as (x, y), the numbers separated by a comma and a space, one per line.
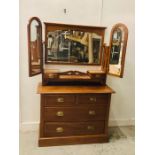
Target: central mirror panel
(69, 45)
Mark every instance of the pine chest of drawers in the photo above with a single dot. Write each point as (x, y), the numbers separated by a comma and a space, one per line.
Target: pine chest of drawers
(74, 114)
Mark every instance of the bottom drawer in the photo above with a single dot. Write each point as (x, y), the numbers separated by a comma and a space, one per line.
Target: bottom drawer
(70, 129)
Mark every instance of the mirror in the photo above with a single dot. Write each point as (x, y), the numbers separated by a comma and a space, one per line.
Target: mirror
(34, 45)
(118, 43)
(70, 46)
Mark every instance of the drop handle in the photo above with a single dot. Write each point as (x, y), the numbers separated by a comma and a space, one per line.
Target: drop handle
(92, 99)
(60, 113)
(59, 130)
(89, 127)
(60, 100)
(92, 112)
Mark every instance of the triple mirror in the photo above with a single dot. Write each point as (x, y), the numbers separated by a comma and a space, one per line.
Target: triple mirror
(118, 43)
(76, 45)
(34, 45)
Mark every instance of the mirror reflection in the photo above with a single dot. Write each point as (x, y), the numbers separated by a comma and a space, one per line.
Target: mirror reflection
(118, 44)
(116, 47)
(70, 46)
(35, 46)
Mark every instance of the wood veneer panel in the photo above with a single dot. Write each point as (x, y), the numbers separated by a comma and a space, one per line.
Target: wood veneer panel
(80, 113)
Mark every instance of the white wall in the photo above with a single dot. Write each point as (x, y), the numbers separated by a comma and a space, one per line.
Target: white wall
(87, 12)
(122, 105)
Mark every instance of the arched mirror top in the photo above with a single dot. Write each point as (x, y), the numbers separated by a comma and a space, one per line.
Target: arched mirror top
(36, 19)
(119, 31)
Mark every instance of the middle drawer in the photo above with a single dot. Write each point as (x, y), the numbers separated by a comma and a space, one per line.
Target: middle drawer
(82, 113)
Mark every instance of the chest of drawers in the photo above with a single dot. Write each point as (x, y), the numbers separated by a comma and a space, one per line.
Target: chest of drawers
(74, 114)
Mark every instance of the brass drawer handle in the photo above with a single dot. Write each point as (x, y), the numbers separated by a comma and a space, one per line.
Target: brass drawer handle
(60, 99)
(60, 113)
(92, 112)
(59, 130)
(89, 127)
(92, 99)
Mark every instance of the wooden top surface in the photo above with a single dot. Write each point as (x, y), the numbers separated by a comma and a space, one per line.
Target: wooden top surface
(73, 89)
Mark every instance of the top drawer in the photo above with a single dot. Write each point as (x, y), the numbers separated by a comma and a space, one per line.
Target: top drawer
(92, 98)
(51, 100)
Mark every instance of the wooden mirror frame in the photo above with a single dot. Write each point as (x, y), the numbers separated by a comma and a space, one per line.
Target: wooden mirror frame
(29, 45)
(58, 26)
(124, 39)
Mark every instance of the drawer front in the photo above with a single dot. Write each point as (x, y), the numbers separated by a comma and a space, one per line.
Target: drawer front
(83, 113)
(58, 100)
(92, 99)
(70, 129)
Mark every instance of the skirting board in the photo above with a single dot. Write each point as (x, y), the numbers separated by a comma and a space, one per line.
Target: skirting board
(33, 126)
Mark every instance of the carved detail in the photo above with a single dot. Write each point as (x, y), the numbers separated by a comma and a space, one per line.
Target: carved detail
(73, 73)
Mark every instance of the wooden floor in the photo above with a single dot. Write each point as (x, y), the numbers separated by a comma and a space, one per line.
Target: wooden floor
(121, 143)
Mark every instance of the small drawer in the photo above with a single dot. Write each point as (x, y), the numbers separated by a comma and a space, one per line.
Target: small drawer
(51, 75)
(58, 100)
(93, 99)
(81, 113)
(70, 129)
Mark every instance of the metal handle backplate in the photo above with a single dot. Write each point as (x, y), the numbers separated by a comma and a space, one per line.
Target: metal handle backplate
(60, 113)
(59, 130)
(92, 112)
(92, 99)
(60, 99)
(89, 127)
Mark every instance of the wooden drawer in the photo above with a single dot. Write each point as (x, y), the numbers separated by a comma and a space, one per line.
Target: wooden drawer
(80, 113)
(58, 100)
(70, 129)
(93, 99)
